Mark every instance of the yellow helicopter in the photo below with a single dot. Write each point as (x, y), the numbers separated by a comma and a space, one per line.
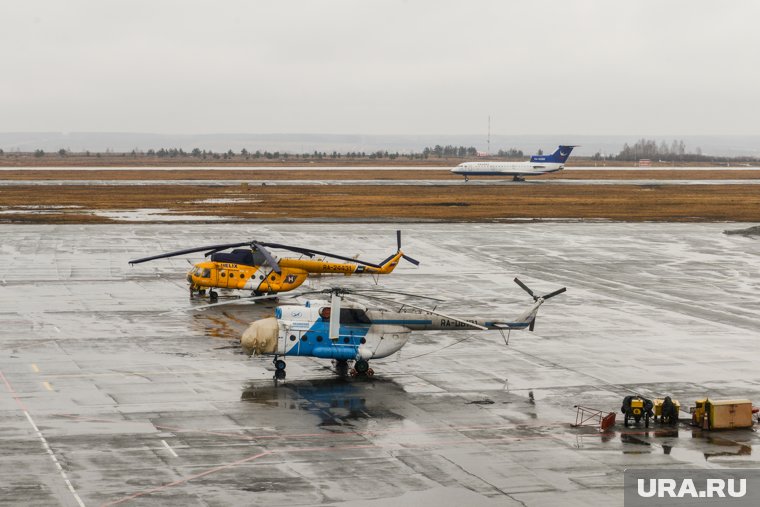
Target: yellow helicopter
(255, 268)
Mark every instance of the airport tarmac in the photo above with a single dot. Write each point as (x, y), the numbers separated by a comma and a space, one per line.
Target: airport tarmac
(112, 394)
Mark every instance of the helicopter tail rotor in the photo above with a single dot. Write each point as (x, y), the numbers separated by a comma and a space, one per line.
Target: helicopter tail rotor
(403, 255)
(395, 255)
(530, 315)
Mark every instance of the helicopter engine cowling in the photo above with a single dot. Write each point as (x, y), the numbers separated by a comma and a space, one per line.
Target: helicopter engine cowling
(260, 337)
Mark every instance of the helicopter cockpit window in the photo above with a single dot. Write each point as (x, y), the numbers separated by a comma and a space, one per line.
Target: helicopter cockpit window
(206, 273)
(353, 316)
(258, 258)
(325, 313)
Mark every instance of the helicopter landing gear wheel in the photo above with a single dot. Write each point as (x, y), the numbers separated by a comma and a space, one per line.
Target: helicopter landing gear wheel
(341, 367)
(361, 366)
(213, 296)
(279, 368)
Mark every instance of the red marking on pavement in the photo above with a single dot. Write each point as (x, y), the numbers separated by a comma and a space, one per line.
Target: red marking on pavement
(324, 449)
(13, 393)
(187, 479)
(210, 471)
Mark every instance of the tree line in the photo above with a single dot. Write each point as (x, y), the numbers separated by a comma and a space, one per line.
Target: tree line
(675, 151)
(437, 151)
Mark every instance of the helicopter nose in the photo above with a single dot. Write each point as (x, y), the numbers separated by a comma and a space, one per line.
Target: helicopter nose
(260, 337)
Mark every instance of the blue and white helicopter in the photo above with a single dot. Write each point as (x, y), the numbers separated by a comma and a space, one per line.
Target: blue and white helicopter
(347, 331)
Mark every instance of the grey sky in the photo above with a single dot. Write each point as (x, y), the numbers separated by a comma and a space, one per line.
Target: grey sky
(381, 67)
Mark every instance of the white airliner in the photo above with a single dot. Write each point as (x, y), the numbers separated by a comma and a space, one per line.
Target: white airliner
(538, 164)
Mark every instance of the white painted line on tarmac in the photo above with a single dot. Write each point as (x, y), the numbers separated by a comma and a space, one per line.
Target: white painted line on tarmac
(55, 460)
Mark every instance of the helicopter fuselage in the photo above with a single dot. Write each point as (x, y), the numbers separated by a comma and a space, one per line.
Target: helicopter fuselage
(261, 278)
(363, 333)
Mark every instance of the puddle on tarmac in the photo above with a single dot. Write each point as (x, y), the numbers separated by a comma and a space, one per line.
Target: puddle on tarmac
(336, 401)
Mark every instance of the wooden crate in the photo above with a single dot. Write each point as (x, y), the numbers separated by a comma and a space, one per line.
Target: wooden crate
(730, 414)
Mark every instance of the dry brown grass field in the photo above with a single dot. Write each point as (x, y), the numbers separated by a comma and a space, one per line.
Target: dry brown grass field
(441, 203)
(364, 174)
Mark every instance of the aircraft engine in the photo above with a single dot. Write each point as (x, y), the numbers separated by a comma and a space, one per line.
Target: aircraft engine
(260, 337)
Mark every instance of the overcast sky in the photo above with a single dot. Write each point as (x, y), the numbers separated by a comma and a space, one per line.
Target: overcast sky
(381, 67)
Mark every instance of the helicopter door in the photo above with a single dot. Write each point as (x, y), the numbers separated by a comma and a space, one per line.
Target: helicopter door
(288, 340)
(227, 278)
(207, 277)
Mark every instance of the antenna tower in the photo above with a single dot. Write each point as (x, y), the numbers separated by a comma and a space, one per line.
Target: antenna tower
(489, 135)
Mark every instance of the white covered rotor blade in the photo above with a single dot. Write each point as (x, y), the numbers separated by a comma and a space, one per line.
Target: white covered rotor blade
(456, 319)
(241, 301)
(335, 316)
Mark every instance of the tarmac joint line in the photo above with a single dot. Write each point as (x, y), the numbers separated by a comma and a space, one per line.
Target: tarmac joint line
(42, 438)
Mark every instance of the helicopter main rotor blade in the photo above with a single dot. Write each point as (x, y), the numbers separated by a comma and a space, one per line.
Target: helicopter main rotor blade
(363, 293)
(268, 256)
(310, 252)
(335, 301)
(408, 294)
(211, 249)
(241, 301)
(187, 251)
(427, 310)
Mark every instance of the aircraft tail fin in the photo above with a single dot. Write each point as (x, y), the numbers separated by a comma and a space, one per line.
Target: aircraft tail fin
(558, 157)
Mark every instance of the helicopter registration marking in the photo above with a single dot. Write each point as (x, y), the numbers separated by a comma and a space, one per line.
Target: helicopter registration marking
(299, 325)
(456, 323)
(338, 267)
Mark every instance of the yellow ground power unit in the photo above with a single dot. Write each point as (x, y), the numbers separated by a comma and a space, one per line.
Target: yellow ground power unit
(658, 402)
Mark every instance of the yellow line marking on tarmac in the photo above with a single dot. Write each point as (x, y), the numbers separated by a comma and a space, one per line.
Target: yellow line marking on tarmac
(34, 367)
(47, 386)
(170, 449)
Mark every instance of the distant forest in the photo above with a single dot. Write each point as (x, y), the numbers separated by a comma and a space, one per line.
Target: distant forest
(437, 151)
(675, 151)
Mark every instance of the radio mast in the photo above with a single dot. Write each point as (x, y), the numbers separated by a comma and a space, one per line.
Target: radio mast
(488, 152)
